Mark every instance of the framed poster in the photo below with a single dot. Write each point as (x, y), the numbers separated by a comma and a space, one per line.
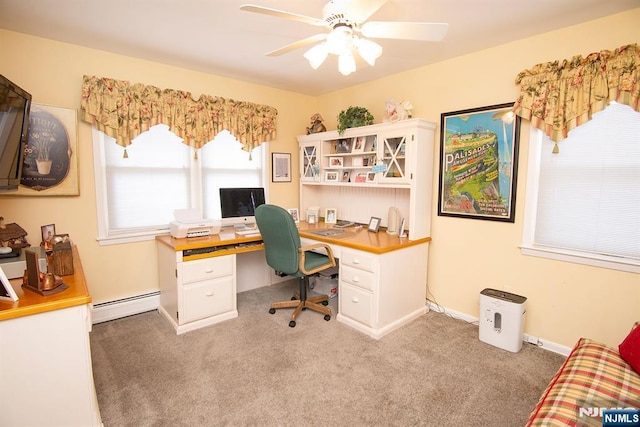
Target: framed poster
(479, 163)
(50, 165)
(281, 167)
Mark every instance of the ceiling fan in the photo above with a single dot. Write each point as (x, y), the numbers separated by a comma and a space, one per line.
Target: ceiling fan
(349, 31)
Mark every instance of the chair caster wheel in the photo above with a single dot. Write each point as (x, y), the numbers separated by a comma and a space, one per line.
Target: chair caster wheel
(325, 302)
(272, 311)
(327, 317)
(292, 324)
(293, 298)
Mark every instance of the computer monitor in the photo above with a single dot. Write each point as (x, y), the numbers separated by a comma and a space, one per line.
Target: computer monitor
(238, 205)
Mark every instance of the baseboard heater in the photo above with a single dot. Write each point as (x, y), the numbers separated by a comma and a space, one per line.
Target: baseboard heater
(111, 310)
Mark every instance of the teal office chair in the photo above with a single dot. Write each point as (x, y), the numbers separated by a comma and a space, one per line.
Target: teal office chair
(285, 255)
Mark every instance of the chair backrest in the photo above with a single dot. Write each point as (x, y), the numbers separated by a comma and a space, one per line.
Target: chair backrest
(280, 237)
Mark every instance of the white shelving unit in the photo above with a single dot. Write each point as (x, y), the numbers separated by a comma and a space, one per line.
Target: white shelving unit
(368, 169)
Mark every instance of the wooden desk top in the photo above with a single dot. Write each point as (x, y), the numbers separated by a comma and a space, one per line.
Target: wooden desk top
(227, 237)
(32, 303)
(353, 237)
(359, 238)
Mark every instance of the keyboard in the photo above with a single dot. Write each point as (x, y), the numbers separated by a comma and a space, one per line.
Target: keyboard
(249, 232)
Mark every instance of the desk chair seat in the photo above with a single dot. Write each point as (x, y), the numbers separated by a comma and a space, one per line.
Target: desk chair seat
(285, 254)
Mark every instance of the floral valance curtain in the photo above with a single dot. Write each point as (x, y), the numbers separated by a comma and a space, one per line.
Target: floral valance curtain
(558, 96)
(123, 111)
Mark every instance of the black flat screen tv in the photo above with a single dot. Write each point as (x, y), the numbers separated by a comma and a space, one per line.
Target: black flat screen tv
(238, 205)
(15, 105)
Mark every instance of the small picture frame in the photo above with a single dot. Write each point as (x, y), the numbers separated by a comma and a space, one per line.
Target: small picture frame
(361, 177)
(371, 177)
(357, 161)
(48, 231)
(330, 216)
(335, 162)
(294, 214)
(344, 145)
(374, 224)
(358, 144)
(281, 167)
(331, 176)
(345, 176)
(6, 290)
(312, 218)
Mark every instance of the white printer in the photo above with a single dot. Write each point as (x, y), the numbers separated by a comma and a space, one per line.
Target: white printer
(187, 223)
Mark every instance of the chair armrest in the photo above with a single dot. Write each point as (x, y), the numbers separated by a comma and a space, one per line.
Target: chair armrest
(302, 254)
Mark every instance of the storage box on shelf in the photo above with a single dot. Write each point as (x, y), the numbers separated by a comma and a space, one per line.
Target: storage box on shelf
(368, 169)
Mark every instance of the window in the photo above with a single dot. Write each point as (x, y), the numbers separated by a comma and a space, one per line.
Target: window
(583, 203)
(136, 196)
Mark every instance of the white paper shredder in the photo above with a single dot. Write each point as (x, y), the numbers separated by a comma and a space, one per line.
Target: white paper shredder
(502, 316)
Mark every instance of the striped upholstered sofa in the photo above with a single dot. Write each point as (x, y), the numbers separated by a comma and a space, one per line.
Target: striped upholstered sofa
(593, 377)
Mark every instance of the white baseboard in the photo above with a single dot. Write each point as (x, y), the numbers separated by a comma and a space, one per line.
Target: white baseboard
(112, 310)
(542, 343)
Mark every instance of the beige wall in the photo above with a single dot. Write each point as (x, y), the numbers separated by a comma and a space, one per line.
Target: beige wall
(566, 301)
(52, 72)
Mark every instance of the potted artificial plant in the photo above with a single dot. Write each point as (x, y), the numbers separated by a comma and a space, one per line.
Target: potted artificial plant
(353, 117)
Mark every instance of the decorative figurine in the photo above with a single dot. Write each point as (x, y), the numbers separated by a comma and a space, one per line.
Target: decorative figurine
(316, 124)
(12, 236)
(397, 110)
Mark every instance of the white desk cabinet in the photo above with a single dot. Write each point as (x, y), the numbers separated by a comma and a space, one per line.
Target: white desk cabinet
(46, 374)
(378, 293)
(196, 293)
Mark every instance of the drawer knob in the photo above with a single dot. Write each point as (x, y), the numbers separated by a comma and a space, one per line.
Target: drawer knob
(209, 293)
(356, 261)
(209, 270)
(355, 299)
(356, 279)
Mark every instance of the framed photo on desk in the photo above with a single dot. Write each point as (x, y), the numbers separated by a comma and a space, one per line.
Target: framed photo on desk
(374, 224)
(6, 290)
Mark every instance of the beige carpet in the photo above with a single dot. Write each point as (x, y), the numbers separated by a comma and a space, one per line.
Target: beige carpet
(256, 371)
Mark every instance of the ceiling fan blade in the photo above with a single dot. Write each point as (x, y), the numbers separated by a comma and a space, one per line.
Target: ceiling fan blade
(297, 45)
(425, 31)
(361, 10)
(282, 14)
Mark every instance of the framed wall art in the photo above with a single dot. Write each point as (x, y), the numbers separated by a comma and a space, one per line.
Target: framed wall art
(50, 165)
(479, 163)
(281, 167)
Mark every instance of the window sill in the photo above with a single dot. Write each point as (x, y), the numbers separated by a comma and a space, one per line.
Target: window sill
(621, 264)
(130, 238)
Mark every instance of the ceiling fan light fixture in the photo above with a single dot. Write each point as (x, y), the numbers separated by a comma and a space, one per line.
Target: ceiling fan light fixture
(316, 55)
(346, 63)
(340, 40)
(368, 50)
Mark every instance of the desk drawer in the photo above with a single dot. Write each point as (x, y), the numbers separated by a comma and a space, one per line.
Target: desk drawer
(356, 304)
(206, 299)
(357, 259)
(208, 268)
(356, 277)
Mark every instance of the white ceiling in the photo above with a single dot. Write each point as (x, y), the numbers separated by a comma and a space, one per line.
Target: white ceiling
(215, 36)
